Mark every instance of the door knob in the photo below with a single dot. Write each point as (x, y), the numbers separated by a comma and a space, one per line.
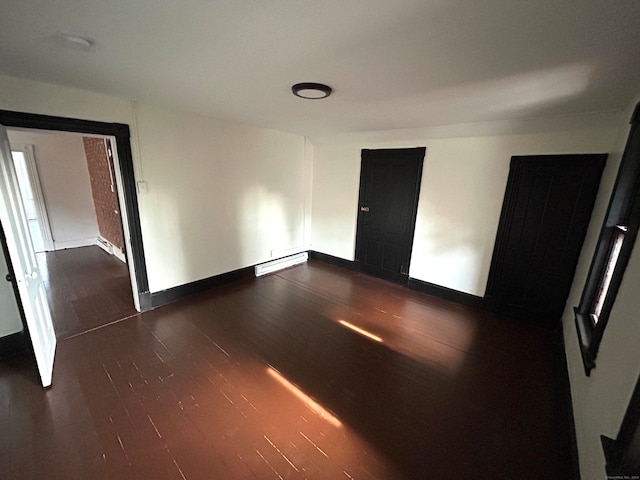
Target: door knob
(8, 278)
(364, 209)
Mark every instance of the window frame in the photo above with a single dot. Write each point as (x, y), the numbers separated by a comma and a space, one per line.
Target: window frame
(622, 218)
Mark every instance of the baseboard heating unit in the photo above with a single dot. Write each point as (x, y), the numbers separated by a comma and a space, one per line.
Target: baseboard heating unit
(280, 263)
(105, 245)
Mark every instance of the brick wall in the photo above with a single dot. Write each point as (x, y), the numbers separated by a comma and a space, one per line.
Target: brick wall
(105, 201)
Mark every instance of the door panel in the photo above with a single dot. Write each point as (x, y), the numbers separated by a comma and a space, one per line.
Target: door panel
(23, 259)
(545, 215)
(389, 188)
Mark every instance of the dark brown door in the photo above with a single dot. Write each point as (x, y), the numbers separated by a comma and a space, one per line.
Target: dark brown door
(389, 189)
(545, 214)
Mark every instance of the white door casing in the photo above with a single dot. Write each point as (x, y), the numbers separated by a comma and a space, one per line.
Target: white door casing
(27, 273)
(38, 196)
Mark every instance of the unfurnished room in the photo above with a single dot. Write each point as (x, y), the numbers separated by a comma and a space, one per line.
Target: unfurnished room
(320, 239)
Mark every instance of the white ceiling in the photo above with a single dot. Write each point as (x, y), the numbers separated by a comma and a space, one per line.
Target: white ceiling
(392, 64)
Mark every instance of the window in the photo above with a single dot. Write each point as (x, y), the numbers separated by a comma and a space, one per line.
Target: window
(610, 267)
(613, 250)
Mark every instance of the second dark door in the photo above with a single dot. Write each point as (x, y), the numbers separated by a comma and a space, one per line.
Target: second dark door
(546, 211)
(389, 189)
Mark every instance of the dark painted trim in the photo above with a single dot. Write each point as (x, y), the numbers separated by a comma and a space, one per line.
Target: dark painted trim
(623, 454)
(411, 283)
(164, 297)
(635, 116)
(123, 145)
(122, 135)
(623, 208)
(10, 118)
(145, 302)
(14, 344)
(445, 293)
(331, 260)
(566, 391)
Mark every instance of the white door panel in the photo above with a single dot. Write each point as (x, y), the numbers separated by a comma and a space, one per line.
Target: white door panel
(16, 229)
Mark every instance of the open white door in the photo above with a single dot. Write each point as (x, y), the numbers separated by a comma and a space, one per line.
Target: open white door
(23, 258)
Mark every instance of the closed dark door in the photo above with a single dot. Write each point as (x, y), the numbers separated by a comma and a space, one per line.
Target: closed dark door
(389, 189)
(545, 214)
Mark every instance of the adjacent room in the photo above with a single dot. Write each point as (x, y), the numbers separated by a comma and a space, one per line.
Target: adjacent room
(68, 186)
(330, 239)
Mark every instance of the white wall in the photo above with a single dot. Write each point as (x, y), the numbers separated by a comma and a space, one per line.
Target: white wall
(463, 184)
(223, 196)
(9, 315)
(29, 96)
(220, 196)
(600, 400)
(66, 187)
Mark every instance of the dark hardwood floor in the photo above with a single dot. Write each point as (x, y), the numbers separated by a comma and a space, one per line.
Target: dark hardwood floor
(259, 379)
(86, 288)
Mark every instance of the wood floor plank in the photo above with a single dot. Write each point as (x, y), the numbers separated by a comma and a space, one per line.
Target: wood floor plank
(86, 288)
(258, 379)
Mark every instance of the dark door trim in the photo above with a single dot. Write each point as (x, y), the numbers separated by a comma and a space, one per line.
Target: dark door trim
(122, 135)
(366, 154)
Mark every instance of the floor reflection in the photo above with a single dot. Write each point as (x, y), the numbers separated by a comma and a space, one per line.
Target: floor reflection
(259, 379)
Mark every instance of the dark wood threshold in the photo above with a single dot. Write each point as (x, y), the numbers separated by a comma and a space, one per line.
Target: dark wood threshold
(164, 297)
(446, 293)
(331, 260)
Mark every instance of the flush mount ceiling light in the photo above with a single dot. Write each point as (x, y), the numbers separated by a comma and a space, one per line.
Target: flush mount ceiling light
(76, 41)
(311, 91)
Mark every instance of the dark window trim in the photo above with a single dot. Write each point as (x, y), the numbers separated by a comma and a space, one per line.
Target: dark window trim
(122, 135)
(623, 454)
(623, 210)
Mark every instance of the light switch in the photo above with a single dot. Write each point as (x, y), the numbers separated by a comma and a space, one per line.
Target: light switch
(142, 187)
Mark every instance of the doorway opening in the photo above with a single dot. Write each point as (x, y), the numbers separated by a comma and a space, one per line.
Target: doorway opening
(387, 208)
(122, 175)
(70, 194)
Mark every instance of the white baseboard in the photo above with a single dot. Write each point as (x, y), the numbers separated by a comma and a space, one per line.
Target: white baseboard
(119, 254)
(281, 263)
(81, 242)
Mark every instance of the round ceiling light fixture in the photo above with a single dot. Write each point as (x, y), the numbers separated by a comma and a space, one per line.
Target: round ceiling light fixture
(76, 42)
(311, 91)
